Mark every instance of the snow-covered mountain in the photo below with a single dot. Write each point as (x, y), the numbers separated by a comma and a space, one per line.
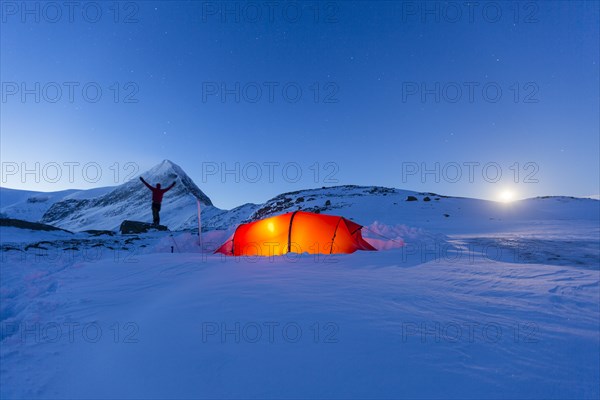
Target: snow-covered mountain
(31, 206)
(131, 200)
(106, 208)
(370, 204)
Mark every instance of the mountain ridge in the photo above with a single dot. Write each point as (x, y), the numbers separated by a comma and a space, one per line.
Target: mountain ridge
(106, 208)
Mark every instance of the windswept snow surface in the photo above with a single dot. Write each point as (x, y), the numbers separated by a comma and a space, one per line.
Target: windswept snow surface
(503, 308)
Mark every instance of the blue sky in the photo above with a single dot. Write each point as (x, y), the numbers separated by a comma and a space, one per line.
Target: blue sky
(368, 93)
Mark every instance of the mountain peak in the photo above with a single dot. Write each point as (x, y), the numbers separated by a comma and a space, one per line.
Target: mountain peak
(167, 171)
(165, 167)
(131, 200)
(169, 164)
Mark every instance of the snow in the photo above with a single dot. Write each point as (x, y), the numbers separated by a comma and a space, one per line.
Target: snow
(31, 206)
(465, 299)
(106, 208)
(89, 193)
(495, 301)
(17, 236)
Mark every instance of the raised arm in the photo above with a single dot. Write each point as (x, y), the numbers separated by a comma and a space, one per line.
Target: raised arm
(146, 183)
(170, 186)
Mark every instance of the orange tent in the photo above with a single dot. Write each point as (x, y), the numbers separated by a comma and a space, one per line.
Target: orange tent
(296, 232)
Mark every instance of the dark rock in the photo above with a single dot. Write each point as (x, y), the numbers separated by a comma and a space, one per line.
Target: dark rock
(36, 246)
(7, 247)
(36, 226)
(426, 198)
(327, 203)
(299, 199)
(446, 215)
(128, 227)
(96, 232)
(381, 190)
(63, 209)
(430, 194)
(39, 199)
(411, 198)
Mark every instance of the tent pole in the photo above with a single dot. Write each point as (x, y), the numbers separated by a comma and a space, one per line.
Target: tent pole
(199, 224)
(334, 235)
(289, 246)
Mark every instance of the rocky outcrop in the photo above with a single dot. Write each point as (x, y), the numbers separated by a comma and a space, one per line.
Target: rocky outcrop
(36, 226)
(129, 227)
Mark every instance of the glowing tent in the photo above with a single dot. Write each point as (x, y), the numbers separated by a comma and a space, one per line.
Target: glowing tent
(296, 232)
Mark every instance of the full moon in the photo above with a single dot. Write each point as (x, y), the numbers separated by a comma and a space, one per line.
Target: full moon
(507, 196)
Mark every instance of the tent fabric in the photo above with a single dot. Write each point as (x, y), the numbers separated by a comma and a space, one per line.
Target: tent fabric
(296, 232)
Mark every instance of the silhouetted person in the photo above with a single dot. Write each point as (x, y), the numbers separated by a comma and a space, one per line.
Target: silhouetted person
(157, 196)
